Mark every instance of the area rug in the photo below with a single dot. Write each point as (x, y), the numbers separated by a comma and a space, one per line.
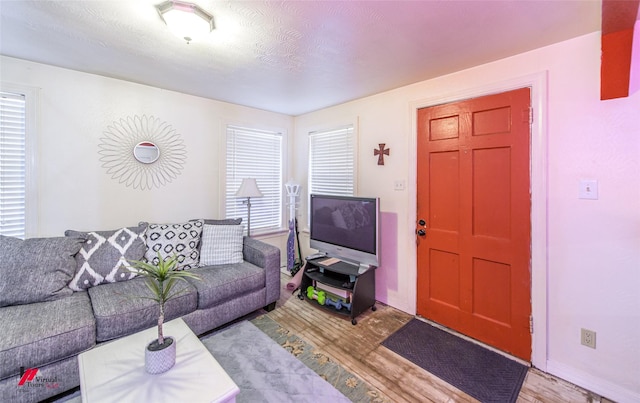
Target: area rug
(477, 371)
(350, 385)
(263, 370)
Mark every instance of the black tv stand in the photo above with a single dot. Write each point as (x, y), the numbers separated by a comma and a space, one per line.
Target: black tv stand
(359, 281)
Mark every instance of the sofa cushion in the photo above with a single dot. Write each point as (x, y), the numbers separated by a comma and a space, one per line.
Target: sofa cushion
(36, 269)
(35, 335)
(221, 244)
(105, 255)
(179, 239)
(224, 282)
(123, 308)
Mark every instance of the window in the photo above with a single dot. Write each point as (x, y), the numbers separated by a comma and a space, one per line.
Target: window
(255, 154)
(331, 162)
(13, 183)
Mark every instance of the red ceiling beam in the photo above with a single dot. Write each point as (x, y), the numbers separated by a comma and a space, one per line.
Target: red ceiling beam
(618, 21)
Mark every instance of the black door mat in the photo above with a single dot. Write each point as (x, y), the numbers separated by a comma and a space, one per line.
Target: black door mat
(477, 371)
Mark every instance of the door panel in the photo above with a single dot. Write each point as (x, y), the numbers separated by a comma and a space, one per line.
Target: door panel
(444, 182)
(444, 278)
(491, 212)
(473, 195)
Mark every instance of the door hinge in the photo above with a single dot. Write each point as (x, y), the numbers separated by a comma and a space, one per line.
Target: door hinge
(527, 115)
(531, 324)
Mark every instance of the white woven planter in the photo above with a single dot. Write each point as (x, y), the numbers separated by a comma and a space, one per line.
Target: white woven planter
(159, 361)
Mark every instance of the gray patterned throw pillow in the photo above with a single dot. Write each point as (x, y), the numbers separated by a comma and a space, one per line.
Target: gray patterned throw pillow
(105, 255)
(36, 269)
(221, 244)
(179, 239)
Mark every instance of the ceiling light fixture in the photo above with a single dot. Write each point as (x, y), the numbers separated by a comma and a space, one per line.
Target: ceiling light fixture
(186, 20)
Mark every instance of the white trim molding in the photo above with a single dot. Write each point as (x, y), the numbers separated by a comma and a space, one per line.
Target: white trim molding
(596, 384)
(539, 210)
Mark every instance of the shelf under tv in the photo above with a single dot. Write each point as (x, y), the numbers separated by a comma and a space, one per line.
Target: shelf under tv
(357, 280)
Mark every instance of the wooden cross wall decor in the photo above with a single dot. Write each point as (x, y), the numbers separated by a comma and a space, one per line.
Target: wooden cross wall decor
(381, 152)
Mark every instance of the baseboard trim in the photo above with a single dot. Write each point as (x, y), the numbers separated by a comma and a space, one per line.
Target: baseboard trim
(594, 384)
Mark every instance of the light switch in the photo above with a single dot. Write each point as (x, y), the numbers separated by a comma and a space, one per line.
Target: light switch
(398, 185)
(588, 189)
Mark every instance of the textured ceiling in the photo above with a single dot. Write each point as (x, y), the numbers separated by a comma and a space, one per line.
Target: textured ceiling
(290, 57)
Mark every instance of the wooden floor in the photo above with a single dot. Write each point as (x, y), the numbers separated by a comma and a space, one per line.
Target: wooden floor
(357, 349)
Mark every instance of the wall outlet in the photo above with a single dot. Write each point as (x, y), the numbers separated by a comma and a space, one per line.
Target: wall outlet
(588, 338)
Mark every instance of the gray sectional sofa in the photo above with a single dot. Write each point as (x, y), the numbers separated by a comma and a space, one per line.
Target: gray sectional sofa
(47, 331)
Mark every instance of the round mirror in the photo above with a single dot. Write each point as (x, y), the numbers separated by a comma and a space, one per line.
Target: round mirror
(146, 152)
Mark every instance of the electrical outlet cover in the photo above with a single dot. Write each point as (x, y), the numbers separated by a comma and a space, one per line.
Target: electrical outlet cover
(588, 338)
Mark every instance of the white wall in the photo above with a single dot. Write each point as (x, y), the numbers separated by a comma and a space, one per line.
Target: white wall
(589, 272)
(74, 190)
(586, 268)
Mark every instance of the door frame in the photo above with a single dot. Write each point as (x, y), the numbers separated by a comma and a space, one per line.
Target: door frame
(539, 212)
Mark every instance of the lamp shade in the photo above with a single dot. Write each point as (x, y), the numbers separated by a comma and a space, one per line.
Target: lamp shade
(249, 188)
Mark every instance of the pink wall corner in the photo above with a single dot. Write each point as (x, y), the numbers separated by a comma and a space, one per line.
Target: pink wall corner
(387, 273)
(634, 79)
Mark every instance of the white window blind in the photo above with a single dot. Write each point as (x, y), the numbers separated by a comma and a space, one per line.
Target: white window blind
(12, 164)
(255, 154)
(331, 162)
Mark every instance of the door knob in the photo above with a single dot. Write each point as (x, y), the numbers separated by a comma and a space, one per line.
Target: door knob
(421, 232)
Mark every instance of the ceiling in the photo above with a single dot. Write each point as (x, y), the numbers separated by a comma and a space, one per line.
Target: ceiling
(289, 57)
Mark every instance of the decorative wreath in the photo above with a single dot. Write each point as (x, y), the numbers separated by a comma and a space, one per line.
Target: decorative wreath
(122, 137)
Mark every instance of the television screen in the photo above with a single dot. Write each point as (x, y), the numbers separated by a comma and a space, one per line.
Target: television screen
(345, 227)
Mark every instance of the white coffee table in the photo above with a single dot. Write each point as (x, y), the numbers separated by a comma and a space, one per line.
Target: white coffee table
(114, 372)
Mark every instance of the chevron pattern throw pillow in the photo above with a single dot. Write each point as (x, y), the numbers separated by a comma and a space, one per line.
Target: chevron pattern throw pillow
(104, 256)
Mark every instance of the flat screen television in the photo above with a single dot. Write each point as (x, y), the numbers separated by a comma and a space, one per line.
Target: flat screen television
(346, 227)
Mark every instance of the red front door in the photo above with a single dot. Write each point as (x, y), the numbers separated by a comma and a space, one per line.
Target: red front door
(474, 199)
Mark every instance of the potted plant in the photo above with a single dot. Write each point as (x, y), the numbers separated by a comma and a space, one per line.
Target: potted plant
(161, 278)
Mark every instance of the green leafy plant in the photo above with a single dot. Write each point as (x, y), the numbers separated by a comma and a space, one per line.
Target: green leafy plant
(161, 279)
